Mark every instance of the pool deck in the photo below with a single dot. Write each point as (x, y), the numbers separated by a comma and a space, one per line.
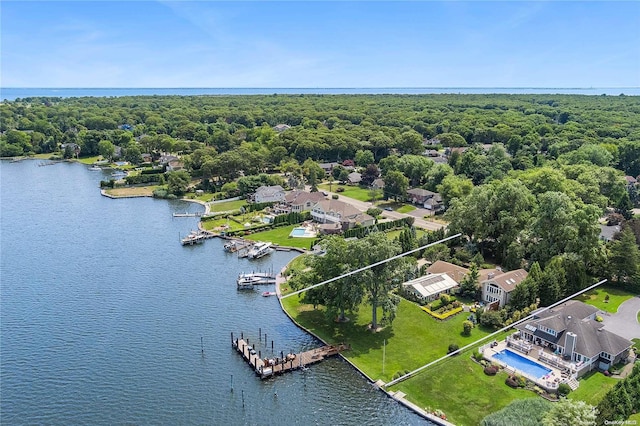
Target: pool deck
(550, 381)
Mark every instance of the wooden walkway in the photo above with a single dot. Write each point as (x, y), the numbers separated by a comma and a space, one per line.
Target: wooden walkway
(270, 366)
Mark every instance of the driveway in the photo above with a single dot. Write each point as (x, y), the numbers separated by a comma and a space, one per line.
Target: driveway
(624, 322)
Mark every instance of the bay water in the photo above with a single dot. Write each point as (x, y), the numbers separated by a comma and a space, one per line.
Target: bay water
(106, 319)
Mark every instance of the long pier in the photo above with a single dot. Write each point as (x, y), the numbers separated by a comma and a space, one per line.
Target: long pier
(270, 366)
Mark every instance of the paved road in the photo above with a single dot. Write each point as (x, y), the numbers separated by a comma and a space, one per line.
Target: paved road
(625, 321)
(363, 206)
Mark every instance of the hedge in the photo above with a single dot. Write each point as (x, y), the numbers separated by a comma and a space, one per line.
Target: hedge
(442, 316)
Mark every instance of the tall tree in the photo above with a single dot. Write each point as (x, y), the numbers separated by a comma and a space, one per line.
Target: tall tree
(624, 260)
(395, 185)
(570, 412)
(380, 281)
(553, 282)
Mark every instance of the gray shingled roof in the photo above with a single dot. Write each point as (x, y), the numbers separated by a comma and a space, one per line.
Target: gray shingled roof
(572, 316)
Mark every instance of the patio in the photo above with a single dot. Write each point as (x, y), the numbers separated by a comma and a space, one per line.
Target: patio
(550, 382)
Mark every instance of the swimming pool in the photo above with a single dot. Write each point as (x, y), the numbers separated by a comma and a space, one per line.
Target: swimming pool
(298, 232)
(521, 363)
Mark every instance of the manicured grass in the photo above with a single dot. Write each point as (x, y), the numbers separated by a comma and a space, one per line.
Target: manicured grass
(88, 160)
(459, 387)
(133, 191)
(593, 386)
(396, 233)
(406, 208)
(227, 205)
(206, 197)
(281, 236)
(412, 340)
(596, 297)
(636, 345)
(634, 418)
(211, 225)
(356, 192)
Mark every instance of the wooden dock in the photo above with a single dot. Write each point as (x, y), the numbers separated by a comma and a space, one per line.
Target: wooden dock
(196, 214)
(270, 366)
(196, 237)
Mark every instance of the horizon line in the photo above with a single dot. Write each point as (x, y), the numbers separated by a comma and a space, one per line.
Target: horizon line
(330, 87)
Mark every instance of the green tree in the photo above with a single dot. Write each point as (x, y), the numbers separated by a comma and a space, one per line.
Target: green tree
(339, 297)
(471, 282)
(410, 142)
(379, 282)
(106, 149)
(624, 260)
(363, 158)
(570, 412)
(553, 282)
(395, 185)
(453, 187)
(178, 182)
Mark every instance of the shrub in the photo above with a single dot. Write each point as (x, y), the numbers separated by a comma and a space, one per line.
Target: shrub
(491, 370)
(598, 318)
(477, 355)
(339, 189)
(564, 389)
(452, 348)
(335, 196)
(511, 382)
(466, 327)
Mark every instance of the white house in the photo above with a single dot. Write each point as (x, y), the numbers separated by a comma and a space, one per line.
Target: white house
(497, 287)
(269, 194)
(338, 212)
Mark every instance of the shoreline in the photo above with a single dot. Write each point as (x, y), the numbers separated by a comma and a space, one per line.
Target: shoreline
(396, 395)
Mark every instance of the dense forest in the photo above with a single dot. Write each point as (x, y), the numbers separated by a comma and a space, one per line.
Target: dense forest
(526, 177)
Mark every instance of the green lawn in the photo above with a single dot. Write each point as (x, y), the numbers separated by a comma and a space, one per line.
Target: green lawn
(281, 236)
(459, 387)
(596, 297)
(362, 194)
(227, 205)
(413, 339)
(636, 345)
(406, 208)
(89, 160)
(593, 387)
(211, 225)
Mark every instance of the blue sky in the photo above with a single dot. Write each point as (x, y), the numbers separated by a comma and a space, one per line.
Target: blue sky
(320, 44)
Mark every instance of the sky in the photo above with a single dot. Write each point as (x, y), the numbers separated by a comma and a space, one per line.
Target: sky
(320, 44)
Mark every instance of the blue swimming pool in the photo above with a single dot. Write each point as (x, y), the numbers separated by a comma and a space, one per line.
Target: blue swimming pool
(298, 232)
(521, 363)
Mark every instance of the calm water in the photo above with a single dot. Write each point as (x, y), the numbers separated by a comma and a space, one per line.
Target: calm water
(102, 313)
(13, 93)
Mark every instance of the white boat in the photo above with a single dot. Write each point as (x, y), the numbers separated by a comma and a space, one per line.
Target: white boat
(95, 168)
(269, 293)
(259, 250)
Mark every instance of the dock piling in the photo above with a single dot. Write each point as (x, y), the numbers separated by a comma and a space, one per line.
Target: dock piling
(202, 344)
(232, 383)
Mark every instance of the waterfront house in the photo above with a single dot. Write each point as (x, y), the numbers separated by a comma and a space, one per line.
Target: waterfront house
(498, 286)
(457, 273)
(300, 201)
(571, 331)
(339, 212)
(269, 194)
(430, 287)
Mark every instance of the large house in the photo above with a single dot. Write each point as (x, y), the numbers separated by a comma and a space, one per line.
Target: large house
(430, 287)
(571, 330)
(419, 195)
(300, 201)
(269, 194)
(338, 213)
(498, 286)
(457, 273)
